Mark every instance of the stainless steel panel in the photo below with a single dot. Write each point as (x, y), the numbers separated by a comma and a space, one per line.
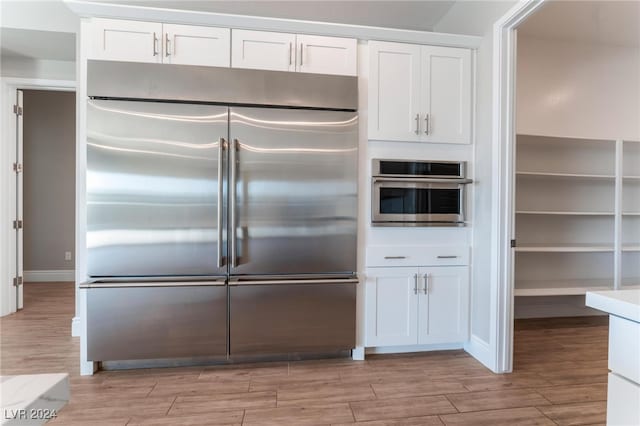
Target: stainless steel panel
(376, 169)
(133, 80)
(152, 188)
(276, 319)
(156, 322)
(295, 201)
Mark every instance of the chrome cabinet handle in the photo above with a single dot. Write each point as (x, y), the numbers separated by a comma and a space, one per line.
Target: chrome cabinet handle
(155, 44)
(167, 51)
(415, 283)
(301, 49)
(417, 124)
(232, 200)
(447, 257)
(426, 124)
(426, 283)
(290, 53)
(221, 148)
(395, 257)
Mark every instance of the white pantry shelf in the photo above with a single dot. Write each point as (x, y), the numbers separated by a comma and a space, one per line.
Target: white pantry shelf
(565, 248)
(574, 287)
(567, 213)
(565, 175)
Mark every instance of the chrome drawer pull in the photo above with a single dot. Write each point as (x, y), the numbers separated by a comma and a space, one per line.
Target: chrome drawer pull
(447, 257)
(395, 257)
(415, 283)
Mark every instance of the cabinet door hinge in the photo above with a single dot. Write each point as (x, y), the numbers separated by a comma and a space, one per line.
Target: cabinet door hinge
(17, 110)
(17, 167)
(17, 224)
(17, 281)
(513, 243)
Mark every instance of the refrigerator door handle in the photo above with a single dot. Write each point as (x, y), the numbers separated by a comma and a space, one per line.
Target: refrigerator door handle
(232, 200)
(294, 281)
(222, 142)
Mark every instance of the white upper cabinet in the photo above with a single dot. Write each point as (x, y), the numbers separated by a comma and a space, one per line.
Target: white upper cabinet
(327, 55)
(291, 52)
(193, 45)
(136, 41)
(263, 50)
(446, 94)
(394, 91)
(133, 41)
(419, 93)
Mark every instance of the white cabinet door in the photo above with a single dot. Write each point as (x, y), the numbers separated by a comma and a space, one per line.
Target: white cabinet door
(133, 41)
(394, 91)
(443, 309)
(194, 45)
(327, 55)
(391, 306)
(446, 95)
(263, 50)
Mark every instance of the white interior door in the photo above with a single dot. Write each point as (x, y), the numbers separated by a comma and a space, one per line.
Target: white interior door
(19, 248)
(195, 45)
(446, 100)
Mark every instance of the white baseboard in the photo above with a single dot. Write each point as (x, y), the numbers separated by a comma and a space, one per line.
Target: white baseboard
(357, 354)
(480, 350)
(53, 275)
(412, 348)
(75, 327)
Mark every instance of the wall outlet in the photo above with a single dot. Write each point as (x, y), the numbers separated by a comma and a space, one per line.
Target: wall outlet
(67, 255)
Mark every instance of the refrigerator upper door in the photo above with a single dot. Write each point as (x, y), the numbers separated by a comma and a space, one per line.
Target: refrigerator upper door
(154, 189)
(293, 191)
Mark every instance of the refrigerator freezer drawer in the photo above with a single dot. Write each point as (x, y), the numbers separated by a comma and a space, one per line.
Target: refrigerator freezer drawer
(291, 318)
(133, 323)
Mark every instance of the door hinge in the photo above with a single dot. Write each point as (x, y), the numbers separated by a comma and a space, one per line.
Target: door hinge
(513, 243)
(17, 110)
(17, 281)
(17, 224)
(17, 167)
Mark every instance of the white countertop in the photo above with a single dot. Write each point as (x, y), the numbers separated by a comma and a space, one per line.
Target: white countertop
(621, 303)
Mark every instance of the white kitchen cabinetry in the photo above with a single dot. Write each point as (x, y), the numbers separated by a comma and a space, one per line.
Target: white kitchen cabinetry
(192, 45)
(419, 93)
(418, 305)
(294, 52)
(137, 41)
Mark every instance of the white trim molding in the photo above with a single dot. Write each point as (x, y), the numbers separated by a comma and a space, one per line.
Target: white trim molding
(88, 9)
(75, 327)
(412, 348)
(504, 84)
(480, 350)
(50, 275)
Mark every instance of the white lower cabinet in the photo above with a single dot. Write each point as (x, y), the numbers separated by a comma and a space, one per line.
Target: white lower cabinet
(416, 305)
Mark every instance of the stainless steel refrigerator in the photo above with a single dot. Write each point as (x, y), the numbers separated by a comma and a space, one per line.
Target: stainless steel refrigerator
(221, 212)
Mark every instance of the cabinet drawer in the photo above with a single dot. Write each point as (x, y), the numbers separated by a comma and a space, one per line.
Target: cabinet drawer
(380, 256)
(624, 348)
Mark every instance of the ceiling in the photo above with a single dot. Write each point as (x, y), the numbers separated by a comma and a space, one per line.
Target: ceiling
(31, 44)
(601, 22)
(409, 15)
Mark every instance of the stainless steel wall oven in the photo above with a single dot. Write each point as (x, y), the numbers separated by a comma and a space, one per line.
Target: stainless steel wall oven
(418, 193)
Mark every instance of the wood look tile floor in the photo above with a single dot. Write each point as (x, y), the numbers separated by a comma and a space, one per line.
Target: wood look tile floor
(559, 379)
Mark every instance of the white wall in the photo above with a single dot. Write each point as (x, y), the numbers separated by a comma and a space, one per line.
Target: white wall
(13, 66)
(578, 89)
(477, 18)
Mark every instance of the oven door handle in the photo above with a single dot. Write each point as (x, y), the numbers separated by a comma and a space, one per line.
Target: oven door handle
(459, 181)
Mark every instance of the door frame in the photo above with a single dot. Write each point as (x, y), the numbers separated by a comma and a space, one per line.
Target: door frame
(503, 158)
(8, 89)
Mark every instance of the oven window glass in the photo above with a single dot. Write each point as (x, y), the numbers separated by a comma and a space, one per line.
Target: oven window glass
(419, 169)
(419, 201)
